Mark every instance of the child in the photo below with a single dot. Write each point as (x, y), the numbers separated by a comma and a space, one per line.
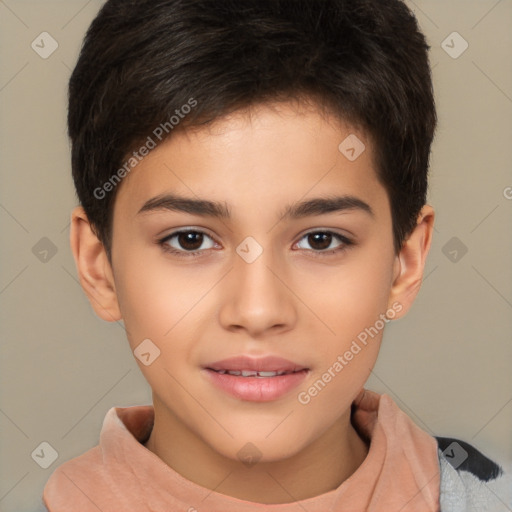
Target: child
(262, 129)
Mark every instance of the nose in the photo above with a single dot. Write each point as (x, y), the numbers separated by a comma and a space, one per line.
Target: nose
(258, 298)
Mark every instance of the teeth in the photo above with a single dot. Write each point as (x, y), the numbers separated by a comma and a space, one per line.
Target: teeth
(252, 373)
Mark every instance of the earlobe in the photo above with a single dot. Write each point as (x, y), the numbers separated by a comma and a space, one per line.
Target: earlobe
(410, 262)
(93, 267)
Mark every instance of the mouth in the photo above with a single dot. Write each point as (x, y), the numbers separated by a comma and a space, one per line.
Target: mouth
(252, 373)
(257, 380)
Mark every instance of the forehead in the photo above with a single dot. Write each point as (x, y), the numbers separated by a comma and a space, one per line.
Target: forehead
(258, 158)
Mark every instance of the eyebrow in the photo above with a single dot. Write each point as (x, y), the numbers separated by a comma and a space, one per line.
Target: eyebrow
(220, 210)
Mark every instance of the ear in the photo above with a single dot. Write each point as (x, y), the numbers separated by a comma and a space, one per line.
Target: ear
(410, 263)
(94, 270)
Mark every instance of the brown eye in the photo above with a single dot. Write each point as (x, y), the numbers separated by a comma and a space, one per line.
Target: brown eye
(190, 241)
(321, 242)
(187, 242)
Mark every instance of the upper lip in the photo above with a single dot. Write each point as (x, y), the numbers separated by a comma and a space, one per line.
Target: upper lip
(261, 364)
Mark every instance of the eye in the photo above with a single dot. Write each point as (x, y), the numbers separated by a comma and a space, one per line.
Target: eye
(321, 242)
(187, 242)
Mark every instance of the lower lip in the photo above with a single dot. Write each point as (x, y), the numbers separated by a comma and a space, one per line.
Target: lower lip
(256, 389)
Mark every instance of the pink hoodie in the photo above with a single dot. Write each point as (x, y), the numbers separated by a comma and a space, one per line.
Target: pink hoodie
(400, 472)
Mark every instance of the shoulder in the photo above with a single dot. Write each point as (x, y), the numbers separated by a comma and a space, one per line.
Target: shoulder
(68, 481)
(470, 481)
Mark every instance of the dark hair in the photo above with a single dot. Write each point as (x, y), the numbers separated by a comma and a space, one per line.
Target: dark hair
(142, 61)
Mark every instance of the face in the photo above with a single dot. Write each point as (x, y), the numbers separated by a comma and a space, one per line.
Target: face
(263, 277)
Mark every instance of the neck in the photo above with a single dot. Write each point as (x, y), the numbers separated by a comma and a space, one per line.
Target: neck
(319, 468)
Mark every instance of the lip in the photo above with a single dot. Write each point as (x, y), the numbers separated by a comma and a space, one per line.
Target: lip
(256, 389)
(261, 364)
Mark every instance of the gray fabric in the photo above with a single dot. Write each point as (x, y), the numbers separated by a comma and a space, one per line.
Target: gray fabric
(461, 491)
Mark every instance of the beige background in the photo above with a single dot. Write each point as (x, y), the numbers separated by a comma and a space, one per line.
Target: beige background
(447, 364)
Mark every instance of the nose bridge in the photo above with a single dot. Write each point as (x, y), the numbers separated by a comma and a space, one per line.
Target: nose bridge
(258, 299)
(258, 275)
(255, 273)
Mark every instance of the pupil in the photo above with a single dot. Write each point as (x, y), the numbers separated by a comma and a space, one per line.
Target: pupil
(193, 241)
(186, 240)
(316, 238)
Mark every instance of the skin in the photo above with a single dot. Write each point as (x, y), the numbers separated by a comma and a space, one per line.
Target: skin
(291, 302)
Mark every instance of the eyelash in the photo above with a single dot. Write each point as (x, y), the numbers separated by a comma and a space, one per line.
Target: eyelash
(346, 243)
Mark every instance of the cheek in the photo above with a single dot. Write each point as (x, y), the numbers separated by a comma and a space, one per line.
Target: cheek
(352, 298)
(161, 306)
(350, 304)
(157, 301)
